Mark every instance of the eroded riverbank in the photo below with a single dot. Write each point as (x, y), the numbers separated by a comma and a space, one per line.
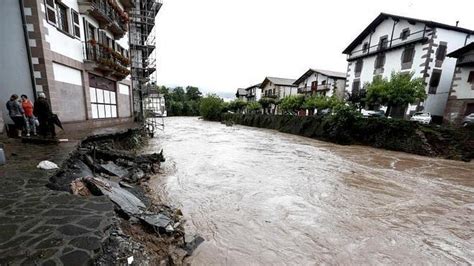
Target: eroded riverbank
(260, 196)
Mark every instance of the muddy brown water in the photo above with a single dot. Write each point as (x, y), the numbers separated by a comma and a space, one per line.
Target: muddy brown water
(262, 197)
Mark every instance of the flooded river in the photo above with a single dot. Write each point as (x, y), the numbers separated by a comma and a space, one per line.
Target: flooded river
(263, 197)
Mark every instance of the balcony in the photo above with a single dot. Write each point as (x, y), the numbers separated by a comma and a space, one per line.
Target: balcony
(107, 13)
(466, 60)
(304, 90)
(322, 87)
(415, 37)
(102, 58)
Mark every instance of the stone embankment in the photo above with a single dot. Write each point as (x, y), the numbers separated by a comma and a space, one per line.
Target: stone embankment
(391, 134)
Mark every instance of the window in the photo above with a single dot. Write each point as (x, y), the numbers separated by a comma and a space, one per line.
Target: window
(91, 32)
(103, 103)
(434, 81)
(63, 23)
(404, 34)
(470, 78)
(365, 47)
(355, 86)
(379, 61)
(314, 84)
(75, 23)
(441, 52)
(408, 54)
(383, 43)
(50, 11)
(358, 66)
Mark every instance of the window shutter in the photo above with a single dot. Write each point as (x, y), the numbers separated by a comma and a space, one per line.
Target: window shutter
(358, 67)
(441, 53)
(75, 23)
(434, 81)
(50, 11)
(408, 55)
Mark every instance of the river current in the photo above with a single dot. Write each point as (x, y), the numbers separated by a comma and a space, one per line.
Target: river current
(258, 196)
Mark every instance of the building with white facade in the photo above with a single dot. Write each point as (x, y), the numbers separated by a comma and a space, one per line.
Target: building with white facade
(322, 82)
(277, 88)
(461, 96)
(395, 43)
(253, 93)
(75, 51)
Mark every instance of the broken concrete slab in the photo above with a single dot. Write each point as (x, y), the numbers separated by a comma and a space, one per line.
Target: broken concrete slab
(158, 221)
(112, 169)
(128, 203)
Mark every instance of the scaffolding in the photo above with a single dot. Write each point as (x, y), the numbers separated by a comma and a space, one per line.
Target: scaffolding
(142, 37)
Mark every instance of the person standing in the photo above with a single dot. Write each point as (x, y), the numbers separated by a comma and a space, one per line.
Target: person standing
(29, 117)
(15, 111)
(42, 111)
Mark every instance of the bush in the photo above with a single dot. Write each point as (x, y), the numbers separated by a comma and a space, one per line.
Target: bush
(211, 107)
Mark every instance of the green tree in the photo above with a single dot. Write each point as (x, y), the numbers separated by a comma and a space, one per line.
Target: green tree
(176, 108)
(237, 106)
(292, 104)
(211, 107)
(402, 89)
(254, 107)
(178, 95)
(193, 93)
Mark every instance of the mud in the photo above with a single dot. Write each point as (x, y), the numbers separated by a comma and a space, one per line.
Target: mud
(258, 196)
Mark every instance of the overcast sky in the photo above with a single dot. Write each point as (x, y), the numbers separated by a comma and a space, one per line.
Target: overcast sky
(221, 45)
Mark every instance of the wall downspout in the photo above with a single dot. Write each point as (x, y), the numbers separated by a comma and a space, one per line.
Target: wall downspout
(27, 45)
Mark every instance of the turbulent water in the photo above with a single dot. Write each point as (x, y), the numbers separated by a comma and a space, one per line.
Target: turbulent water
(262, 197)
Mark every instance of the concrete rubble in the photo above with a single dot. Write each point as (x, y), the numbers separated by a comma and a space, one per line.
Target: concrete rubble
(108, 167)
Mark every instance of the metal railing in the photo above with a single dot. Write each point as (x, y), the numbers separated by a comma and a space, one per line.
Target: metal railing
(377, 48)
(109, 13)
(106, 57)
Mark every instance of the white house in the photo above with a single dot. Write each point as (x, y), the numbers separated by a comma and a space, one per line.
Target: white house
(461, 95)
(253, 93)
(395, 43)
(321, 82)
(277, 88)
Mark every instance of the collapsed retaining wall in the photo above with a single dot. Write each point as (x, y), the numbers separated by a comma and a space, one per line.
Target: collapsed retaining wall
(145, 231)
(391, 134)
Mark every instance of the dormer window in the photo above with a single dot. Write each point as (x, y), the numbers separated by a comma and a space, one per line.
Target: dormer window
(365, 47)
(404, 34)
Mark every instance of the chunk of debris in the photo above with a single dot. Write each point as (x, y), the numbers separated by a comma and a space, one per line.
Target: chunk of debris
(112, 169)
(128, 203)
(192, 242)
(78, 187)
(47, 165)
(158, 221)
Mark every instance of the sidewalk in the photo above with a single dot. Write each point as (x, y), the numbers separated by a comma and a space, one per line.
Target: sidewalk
(41, 226)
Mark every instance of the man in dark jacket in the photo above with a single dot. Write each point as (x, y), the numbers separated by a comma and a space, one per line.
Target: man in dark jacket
(42, 110)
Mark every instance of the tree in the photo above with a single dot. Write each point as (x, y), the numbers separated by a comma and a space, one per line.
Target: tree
(292, 104)
(178, 94)
(193, 93)
(266, 103)
(254, 107)
(321, 102)
(237, 105)
(402, 89)
(211, 107)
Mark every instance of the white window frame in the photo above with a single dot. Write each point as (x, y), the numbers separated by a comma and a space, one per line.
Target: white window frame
(52, 9)
(75, 26)
(103, 103)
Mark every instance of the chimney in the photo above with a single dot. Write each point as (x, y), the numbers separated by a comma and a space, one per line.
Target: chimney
(457, 23)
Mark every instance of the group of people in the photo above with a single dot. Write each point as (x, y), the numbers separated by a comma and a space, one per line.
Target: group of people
(29, 118)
